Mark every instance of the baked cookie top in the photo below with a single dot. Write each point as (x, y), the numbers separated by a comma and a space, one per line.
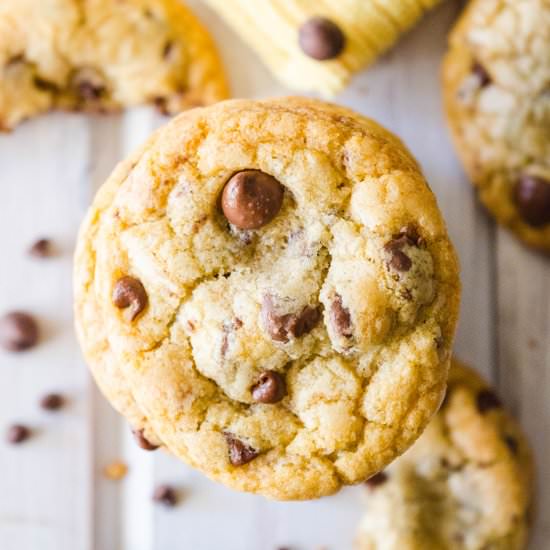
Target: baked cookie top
(496, 79)
(317, 46)
(268, 288)
(466, 484)
(102, 55)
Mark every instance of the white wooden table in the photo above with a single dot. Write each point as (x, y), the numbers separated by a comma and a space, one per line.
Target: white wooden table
(52, 493)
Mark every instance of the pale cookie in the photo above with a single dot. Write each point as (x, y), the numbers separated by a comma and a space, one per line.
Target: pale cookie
(318, 45)
(496, 79)
(466, 484)
(102, 55)
(270, 284)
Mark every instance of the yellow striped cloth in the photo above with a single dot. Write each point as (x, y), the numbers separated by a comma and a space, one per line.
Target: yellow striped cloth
(271, 28)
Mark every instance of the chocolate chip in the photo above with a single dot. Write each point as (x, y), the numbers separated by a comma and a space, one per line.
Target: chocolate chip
(52, 402)
(18, 331)
(487, 400)
(129, 292)
(376, 480)
(271, 388)
(167, 49)
(282, 327)
(161, 103)
(340, 317)
(532, 198)
(42, 248)
(143, 442)
(17, 434)
(399, 261)
(89, 91)
(321, 38)
(251, 199)
(166, 495)
(239, 452)
(483, 77)
(45, 85)
(512, 444)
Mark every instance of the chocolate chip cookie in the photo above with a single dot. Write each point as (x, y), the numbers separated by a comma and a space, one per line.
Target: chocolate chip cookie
(102, 55)
(318, 46)
(496, 79)
(466, 484)
(267, 288)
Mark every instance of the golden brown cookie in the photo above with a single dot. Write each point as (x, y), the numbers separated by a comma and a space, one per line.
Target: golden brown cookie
(496, 83)
(268, 288)
(102, 55)
(466, 484)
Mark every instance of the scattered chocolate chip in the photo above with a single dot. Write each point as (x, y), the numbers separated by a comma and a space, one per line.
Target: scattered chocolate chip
(487, 400)
(532, 198)
(340, 317)
(376, 480)
(89, 84)
(484, 78)
(271, 388)
(42, 248)
(17, 434)
(129, 292)
(399, 261)
(18, 331)
(321, 38)
(89, 91)
(282, 327)
(166, 495)
(251, 199)
(44, 85)
(512, 444)
(52, 402)
(161, 103)
(143, 442)
(167, 50)
(239, 452)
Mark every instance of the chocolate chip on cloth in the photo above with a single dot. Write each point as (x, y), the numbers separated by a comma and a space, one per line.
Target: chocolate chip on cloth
(321, 38)
(128, 63)
(499, 110)
(17, 434)
(467, 483)
(296, 362)
(165, 495)
(18, 331)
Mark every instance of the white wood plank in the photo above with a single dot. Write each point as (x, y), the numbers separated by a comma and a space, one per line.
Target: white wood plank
(523, 280)
(44, 482)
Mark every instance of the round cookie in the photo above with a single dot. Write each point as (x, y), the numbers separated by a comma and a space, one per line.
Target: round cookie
(268, 289)
(496, 83)
(466, 484)
(102, 55)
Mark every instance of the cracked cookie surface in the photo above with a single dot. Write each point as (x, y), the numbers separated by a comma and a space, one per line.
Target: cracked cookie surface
(291, 358)
(103, 55)
(466, 484)
(317, 46)
(496, 83)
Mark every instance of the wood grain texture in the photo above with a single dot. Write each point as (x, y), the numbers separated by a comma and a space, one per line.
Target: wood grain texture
(54, 496)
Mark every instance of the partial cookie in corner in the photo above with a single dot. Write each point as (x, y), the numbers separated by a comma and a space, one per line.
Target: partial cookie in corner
(496, 83)
(466, 484)
(268, 289)
(103, 55)
(315, 46)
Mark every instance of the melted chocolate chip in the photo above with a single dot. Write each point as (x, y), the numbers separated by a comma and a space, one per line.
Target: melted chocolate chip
(52, 402)
(376, 480)
(251, 199)
(143, 442)
(484, 78)
(239, 453)
(512, 444)
(271, 388)
(18, 331)
(17, 434)
(45, 85)
(532, 198)
(89, 91)
(487, 400)
(399, 261)
(321, 38)
(166, 495)
(282, 327)
(340, 317)
(128, 292)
